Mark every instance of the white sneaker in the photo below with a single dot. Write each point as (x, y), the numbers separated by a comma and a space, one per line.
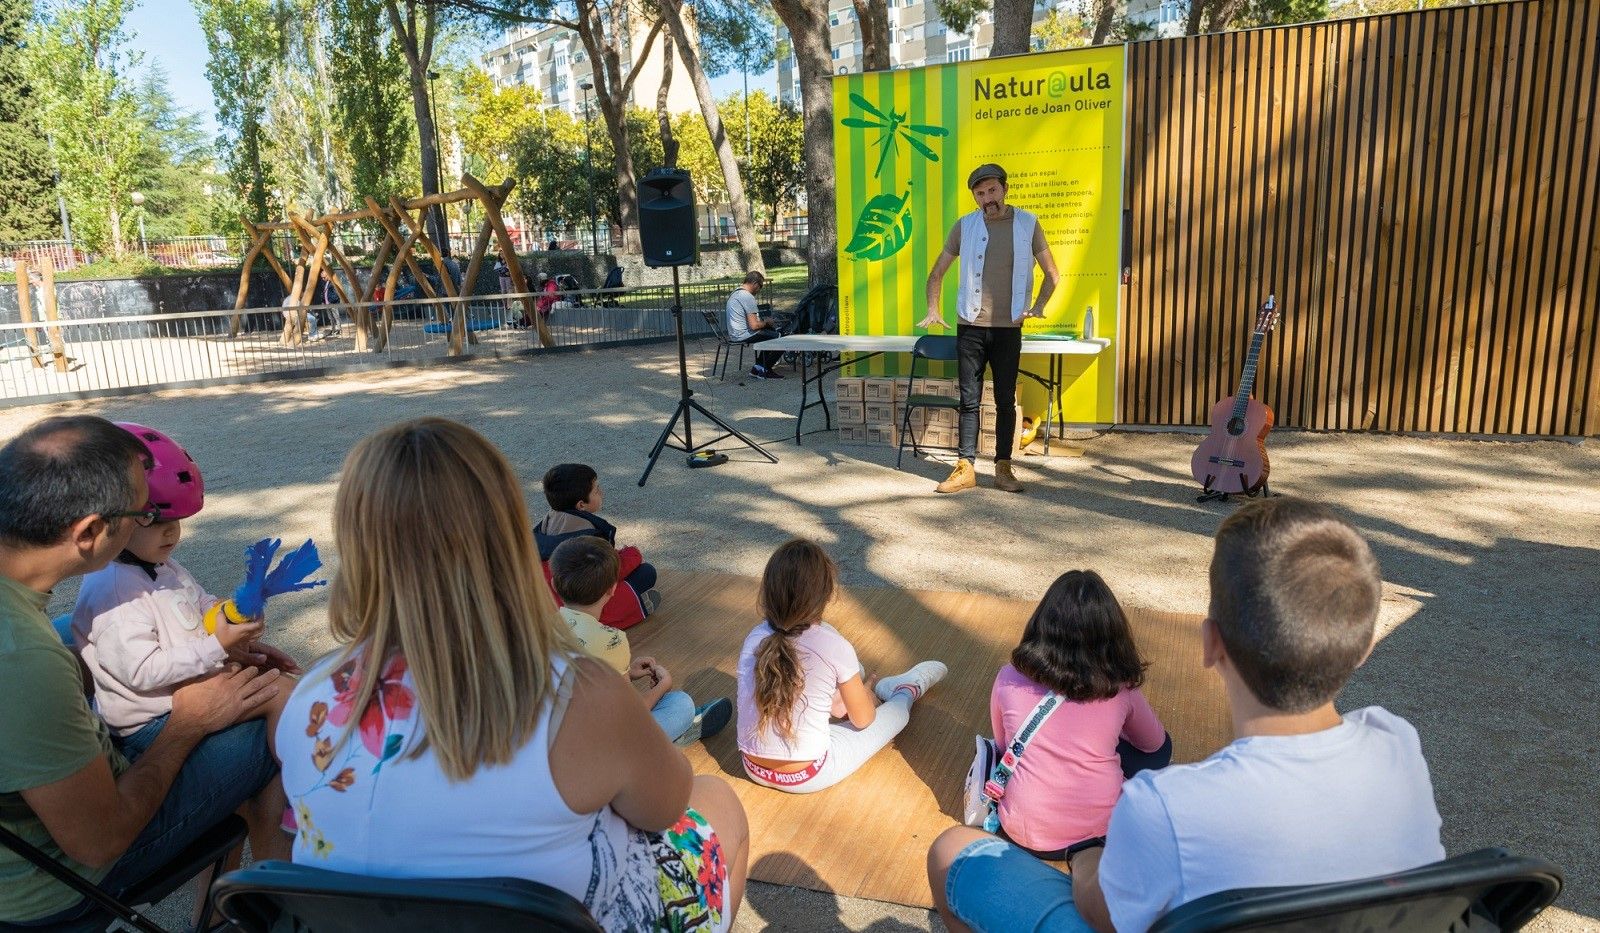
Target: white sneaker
(917, 681)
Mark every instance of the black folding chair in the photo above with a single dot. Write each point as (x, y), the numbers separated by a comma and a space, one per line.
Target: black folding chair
(1480, 892)
(927, 347)
(322, 901)
(208, 851)
(724, 351)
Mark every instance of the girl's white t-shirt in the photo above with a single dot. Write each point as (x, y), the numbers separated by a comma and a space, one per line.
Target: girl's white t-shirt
(827, 660)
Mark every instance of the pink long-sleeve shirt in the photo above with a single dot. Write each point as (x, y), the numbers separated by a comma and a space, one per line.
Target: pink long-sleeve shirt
(1070, 776)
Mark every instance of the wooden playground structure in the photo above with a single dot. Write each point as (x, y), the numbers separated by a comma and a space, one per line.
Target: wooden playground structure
(45, 277)
(404, 232)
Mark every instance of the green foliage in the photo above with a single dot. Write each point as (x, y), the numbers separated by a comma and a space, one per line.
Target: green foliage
(243, 39)
(79, 61)
(27, 200)
(1061, 30)
(371, 98)
(493, 122)
(1281, 12)
(774, 170)
(735, 35)
(959, 15)
(175, 170)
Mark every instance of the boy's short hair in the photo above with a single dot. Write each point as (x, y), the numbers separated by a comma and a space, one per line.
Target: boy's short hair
(567, 484)
(584, 570)
(1294, 596)
(754, 278)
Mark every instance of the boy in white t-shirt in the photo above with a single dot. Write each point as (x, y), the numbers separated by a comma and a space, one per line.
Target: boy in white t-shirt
(1302, 796)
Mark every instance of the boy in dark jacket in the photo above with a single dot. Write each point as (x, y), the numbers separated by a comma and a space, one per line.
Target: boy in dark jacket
(573, 491)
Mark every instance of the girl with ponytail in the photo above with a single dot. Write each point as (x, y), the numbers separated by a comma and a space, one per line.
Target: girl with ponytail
(797, 673)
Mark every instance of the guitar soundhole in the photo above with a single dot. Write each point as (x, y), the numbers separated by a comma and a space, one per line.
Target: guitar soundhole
(1235, 426)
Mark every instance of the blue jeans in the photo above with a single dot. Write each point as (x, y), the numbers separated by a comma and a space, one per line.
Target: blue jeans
(996, 886)
(674, 713)
(224, 770)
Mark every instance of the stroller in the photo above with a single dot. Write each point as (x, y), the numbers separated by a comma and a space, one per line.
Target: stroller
(816, 313)
(613, 280)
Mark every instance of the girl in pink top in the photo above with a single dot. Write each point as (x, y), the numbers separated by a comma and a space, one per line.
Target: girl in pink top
(1077, 644)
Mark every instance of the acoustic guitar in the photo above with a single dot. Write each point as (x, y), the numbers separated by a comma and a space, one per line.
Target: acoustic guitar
(1233, 457)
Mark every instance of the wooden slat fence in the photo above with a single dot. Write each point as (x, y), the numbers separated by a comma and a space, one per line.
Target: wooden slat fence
(1419, 189)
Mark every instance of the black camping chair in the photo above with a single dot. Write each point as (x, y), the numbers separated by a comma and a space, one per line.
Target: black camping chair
(1481, 892)
(208, 851)
(928, 347)
(724, 350)
(322, 901)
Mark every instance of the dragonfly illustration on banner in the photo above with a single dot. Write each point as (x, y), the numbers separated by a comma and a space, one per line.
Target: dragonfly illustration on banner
(893, 129)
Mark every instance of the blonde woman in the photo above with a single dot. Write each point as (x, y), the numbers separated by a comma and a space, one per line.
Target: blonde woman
(460, 731)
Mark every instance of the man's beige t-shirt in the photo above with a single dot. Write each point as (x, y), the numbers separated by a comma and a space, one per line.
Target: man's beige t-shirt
(995, 309)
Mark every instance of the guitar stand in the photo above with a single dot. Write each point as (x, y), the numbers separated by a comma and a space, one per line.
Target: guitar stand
(1214, 495)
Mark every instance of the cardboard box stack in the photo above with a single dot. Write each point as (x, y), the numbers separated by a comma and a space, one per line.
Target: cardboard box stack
(870, 410)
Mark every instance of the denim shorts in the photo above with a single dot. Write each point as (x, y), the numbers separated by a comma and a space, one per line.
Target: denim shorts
(995, 886)
(221, 773)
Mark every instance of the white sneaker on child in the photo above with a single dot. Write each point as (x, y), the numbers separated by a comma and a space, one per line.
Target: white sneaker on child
(917, 681)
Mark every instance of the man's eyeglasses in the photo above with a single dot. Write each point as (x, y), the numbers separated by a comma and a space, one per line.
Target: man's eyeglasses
(144, 518)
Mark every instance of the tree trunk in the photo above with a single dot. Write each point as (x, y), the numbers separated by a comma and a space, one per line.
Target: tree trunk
(416, 41)
(116, 230)
(1105, 12)
(1013, 27)
(1191, 25)
(669, 145)
(743, 220)
(611, 89)
(873, 15)
(807, 23)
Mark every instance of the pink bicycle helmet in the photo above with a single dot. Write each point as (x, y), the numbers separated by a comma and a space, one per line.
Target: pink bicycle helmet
(176, 487)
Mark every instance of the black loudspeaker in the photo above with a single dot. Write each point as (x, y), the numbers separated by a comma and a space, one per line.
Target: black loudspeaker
(668, 232)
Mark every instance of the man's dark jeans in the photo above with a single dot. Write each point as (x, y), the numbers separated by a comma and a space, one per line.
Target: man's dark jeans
(1000, 349)
(766, 359)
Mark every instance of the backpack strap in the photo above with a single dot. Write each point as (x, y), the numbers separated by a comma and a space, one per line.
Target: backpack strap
(995, 788)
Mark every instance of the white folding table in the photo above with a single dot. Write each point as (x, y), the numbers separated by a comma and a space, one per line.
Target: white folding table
(813, 351)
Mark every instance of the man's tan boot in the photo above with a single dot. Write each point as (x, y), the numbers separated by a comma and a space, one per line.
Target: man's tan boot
(1004, 479)
(962, 477)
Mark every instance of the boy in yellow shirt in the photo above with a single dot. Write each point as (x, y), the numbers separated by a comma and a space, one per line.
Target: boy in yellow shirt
(584, 573)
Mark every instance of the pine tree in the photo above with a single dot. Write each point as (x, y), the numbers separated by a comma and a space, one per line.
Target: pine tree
(27, 203)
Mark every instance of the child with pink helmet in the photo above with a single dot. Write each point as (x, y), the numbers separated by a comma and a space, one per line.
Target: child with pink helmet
(143, 625)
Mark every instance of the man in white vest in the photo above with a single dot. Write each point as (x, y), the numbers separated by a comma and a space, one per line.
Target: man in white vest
(998, 245)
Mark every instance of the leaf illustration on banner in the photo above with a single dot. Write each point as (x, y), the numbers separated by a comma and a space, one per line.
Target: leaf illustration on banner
(893, 129)
(883, 228)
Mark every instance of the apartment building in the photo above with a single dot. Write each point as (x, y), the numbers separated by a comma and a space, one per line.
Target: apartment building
(552, 60)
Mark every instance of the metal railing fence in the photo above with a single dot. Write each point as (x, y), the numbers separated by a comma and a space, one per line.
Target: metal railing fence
(114, 355)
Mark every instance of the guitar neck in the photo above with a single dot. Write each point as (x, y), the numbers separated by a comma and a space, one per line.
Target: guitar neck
(1247, 381)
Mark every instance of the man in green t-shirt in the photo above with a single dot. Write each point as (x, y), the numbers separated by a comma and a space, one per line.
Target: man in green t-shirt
(71, 491)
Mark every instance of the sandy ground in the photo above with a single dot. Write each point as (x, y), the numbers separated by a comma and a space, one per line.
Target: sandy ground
(1489, 550)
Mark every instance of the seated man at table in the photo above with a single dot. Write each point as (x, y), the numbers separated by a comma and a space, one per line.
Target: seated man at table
(746, 325)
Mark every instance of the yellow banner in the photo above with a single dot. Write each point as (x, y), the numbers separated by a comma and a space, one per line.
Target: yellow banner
(904, 144)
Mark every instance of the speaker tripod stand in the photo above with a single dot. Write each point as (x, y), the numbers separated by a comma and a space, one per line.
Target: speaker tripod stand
(686, 402)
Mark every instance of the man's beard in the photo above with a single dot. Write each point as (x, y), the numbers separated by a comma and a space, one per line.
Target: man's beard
(993, 210)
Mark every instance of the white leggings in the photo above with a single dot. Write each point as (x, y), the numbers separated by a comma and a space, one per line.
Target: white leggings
(849, 748)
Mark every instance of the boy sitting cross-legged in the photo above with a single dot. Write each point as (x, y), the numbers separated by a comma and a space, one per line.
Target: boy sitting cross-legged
(584, 571)
(1303, 795)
